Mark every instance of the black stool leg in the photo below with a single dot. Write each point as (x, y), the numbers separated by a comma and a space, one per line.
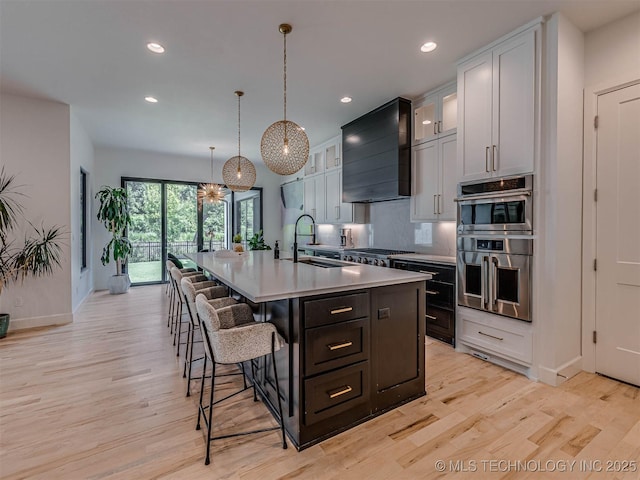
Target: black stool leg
(186, 352)
(204, 369)
(275, 374)
(253, 377)
(210, 422)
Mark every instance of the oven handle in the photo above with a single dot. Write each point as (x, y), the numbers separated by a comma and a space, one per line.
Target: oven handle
(494, 283)
(485, 293)
(483, 196)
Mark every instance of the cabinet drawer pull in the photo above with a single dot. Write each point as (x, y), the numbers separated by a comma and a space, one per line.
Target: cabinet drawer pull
(341, 310)
(338, 346)
(433, 292)
(431, 317)
(341, 391)
(428, 272)
(491, 336)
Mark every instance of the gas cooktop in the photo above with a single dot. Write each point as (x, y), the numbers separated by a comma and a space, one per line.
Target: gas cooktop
(377, 251)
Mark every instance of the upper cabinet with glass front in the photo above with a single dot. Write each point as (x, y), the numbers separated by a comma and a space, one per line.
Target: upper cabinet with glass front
(435, 114)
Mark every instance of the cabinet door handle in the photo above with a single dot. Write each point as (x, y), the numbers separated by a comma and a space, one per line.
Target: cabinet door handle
(432, 292)
(431, 317)
(337, 212)
(340, 391)
(429, 273)
(313, 210)
(439, 126)
(439, 204)
(338, 346)
(337, 162)
(493, 158)
(434, 204)
(490, 336)
(435, 127)
(341, 310)
(486, 159)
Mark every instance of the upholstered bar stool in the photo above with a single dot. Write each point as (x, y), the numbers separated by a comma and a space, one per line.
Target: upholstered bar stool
(231, 335)
(172, 289)
(218, 297)
(200, 282)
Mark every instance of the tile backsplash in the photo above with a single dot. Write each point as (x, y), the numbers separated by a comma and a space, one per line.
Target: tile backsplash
(390, 227)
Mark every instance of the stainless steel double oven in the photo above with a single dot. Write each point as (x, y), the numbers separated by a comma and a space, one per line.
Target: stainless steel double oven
(495, 246)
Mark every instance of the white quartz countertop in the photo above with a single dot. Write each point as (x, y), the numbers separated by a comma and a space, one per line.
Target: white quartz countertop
(419, 257)
(261, 278)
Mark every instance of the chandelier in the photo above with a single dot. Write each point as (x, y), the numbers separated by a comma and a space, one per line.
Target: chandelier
(211, 192)
(238, 172)
(284, 145)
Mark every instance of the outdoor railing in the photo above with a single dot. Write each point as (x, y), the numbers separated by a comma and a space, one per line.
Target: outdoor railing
(152, 251)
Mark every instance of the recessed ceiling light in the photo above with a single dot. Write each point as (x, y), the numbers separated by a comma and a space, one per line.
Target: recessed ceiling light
(346, 99)
(429, 47)
(151, 99)
(155, 47)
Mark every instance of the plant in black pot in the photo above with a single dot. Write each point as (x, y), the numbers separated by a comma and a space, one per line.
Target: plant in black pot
(113, 212)
(38, 254)
(257, 242)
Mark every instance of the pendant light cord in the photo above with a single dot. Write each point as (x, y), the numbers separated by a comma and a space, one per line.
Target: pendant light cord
(285, 86)
(211, 148)
(238, 131)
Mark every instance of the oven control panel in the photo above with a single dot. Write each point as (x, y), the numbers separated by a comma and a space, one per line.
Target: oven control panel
(493, 245)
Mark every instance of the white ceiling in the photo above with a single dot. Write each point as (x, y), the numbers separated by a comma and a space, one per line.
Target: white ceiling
(91, 54)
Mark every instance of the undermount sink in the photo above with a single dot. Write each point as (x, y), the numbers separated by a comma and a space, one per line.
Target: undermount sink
(318, 262)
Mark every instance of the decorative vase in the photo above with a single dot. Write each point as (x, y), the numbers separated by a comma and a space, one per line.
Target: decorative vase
(119, 284)
(4, 324)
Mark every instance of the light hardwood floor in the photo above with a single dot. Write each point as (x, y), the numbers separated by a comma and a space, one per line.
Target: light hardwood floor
(104, 397)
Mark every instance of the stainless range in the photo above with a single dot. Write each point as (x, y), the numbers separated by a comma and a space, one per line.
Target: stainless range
(371, 256)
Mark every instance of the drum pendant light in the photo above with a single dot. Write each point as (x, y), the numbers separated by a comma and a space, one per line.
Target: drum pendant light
(211, 192)
(284, 146)
(238, 172)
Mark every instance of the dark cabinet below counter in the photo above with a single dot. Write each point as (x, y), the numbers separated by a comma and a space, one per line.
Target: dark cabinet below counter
(440, 315)
(349, 357)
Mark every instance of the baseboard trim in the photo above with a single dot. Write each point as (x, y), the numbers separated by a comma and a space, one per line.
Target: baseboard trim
(36, 322)
(557, 376)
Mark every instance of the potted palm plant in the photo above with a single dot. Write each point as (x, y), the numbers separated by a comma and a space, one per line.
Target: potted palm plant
(37, 255)
(114, 214)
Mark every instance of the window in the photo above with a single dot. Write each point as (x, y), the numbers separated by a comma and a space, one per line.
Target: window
(83, 219)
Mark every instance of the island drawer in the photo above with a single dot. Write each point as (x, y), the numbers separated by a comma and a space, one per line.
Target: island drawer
(334, 346)
(335, 392)
(330, 310)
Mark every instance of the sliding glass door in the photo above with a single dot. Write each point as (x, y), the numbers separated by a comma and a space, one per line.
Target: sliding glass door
(167, 217)
(145, 233)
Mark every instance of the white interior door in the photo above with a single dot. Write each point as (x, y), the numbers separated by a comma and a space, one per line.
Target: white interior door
(618, 235)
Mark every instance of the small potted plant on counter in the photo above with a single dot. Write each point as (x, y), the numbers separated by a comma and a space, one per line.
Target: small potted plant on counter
(114, 214)
(257, 242)
(237, 243)
(37, 256)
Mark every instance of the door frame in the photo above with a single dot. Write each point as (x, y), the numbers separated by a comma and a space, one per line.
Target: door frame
(589, 223)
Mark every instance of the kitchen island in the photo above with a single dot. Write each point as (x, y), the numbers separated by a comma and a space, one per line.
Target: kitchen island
(354, 334)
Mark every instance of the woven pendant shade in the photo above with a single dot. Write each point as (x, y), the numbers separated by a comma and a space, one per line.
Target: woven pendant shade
(238, 172)
(239, 166)
(284, 145)
(211, 192)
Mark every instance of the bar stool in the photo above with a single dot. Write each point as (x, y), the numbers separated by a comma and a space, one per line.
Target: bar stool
(218, 297)
(172, 289)
(200, 282)
(231, 335)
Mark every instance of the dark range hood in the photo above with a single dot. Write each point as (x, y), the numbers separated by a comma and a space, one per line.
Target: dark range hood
(376, 154)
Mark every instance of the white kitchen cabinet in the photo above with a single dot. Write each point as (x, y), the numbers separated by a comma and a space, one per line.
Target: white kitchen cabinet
(498, 106)
(435, 114)
(434, 181)
(336, 210)
(314, 195)
(315, 164)
(333, 153)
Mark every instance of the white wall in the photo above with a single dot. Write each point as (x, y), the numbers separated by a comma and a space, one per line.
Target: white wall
(557, 263)
(34, 145)
(112, 164)
(81, 156)
(613, 51)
